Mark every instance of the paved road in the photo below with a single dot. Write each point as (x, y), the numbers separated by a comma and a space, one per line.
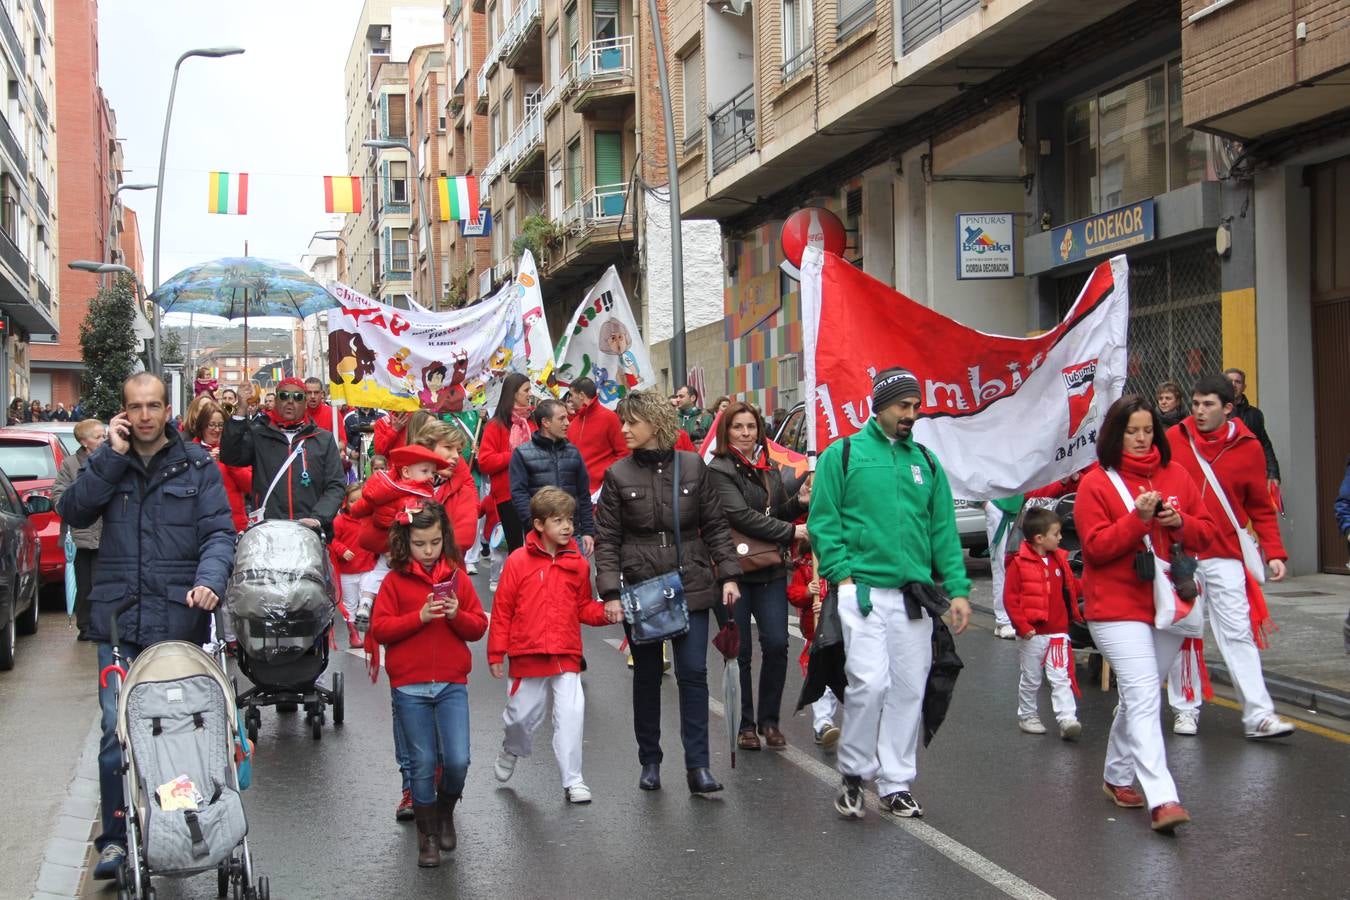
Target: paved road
(1007, 812)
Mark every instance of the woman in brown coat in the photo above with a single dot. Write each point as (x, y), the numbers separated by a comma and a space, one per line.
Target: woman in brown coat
(635, 541)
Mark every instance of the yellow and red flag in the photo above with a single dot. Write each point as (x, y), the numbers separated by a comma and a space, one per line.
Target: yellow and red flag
(341, 194)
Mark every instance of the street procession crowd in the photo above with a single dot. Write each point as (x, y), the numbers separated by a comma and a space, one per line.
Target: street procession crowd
(612, 516)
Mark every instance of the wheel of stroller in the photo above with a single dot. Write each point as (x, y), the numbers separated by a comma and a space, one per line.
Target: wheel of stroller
(222, 879)
(316, 727)
(264, 888)
(251, 728)
(339, 699)
(123, 894)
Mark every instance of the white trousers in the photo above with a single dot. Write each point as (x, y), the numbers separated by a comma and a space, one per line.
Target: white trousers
(1224, 592)
(1140, 655)
(823, 710)
(528, 699)
(1036, 660)
(371, 581)
(887, 660)
(998, 558)
(474, 551)
(351, 591)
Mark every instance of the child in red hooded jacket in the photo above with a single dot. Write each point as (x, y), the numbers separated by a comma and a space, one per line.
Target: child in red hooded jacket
(350, 559)
(543, 599)
(1041, 597)
(805, 591)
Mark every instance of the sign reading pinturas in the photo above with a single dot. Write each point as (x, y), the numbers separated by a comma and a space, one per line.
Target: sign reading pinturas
(984, 246)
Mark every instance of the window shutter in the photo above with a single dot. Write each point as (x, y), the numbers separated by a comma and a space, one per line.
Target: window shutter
(574, 173)
(608, 158)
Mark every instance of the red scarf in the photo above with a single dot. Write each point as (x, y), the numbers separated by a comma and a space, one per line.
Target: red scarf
(1210, 444)
(761, 460)
(1144, 467)
(278, 421)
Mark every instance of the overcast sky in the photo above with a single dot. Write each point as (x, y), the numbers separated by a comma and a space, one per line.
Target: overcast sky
(275, 112)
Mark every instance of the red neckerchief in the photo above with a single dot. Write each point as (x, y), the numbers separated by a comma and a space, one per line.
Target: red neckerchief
(761, 463)
(1215, 442)
(278, 421)
(1144, 467)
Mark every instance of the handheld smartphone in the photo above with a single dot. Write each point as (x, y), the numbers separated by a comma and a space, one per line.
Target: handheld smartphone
(443, 590)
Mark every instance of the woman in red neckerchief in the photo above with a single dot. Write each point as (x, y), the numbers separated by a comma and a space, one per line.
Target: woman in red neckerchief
(205, 425)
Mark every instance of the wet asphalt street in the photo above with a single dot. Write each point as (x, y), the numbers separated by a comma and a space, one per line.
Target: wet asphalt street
(1007, 813)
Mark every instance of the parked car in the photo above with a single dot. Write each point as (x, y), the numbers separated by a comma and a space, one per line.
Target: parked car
(66, 431)
(20, 553)
(32, 459)
(969, 514)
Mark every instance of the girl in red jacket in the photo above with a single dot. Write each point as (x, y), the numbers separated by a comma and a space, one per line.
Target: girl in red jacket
(1167, 508)
(350, 559)
(426, 615)
(1040, 594)
(805, 591)
(509, 427)
(543, 599)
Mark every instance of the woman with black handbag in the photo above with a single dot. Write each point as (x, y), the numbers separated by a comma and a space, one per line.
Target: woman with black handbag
(658, 531)
(761, 514)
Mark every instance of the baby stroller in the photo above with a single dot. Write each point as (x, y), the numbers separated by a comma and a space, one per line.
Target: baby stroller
(179, 731)
(280, 603)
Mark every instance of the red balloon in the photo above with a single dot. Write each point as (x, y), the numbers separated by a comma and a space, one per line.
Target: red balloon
(813, 226)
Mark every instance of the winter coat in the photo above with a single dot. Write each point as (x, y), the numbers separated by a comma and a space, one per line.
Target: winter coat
(635, 527)
(459, 495)
(695, 421)
(417, 652)
(741, 490)
(799, 595)
(347, 537)
(85, 538)
(1040, 595)
(494, 458)
(322, 416)
(542, 601)
(1112, 535)
(543, 461)
(1342, 505)
(598, 434)
(889, 520)
(238, 482)
(167, 531)
(386, 438)
(1255, 420)
(1240, 466)
(312, 486)
(381, 498)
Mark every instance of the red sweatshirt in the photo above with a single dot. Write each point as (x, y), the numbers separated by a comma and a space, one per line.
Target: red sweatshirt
(1033, 592)
(494, 458)
(799, 595)
(459, 495)
(1239, 463)
(1056, 489)
(541, 603)
(381, 498)
(322, 416)
(598, 434)
(238, 483)
(415, 651)
(1111, 536)
(347, 536)
(386, 438)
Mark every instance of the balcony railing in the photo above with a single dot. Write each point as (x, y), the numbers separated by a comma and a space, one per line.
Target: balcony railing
(731, 130)
(604, 203)
(482, 85)
(44, 295)
(41, 106)
(505, 270)
(455, 7)
(798, 62)
(11, 143)
(41, 15)
(44, 202)
(922, 20)
(12, 38)
(526, 17)
(13, 256)
(603, 60)
(527, 136)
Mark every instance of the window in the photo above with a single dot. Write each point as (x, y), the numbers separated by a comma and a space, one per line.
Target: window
(491, 26)
(798, 40)
(571, 33)
(556, 198)
(1128, 143)
(574, 171)
(691, 68)
(608, 159)
(398, 116)
(398, 257)
(494, 127)
(853, 14)
(555, 61)
(398, 182)
(440, 108)
(604, 20)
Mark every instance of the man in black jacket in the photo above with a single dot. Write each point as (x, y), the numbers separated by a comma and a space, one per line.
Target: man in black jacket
(549, 459)
(297, 472)
(1254, 419)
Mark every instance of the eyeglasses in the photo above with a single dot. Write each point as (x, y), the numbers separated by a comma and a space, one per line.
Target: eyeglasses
(215, 426)
(290, 395)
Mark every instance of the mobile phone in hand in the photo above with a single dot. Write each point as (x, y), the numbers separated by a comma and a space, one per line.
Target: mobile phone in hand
(444, 590)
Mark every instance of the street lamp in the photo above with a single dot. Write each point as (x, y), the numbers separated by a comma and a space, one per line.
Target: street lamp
(208, 53)
(342, 249)
(376, 144)
(102, 268)
(146, 186)
(677, 345)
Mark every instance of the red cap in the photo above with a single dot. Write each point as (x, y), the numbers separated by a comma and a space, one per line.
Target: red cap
(292, 380)
(413, 454)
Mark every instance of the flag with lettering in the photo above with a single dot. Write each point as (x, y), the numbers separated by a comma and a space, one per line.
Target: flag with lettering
(228, 194)
(342, 194)
(1003, 414)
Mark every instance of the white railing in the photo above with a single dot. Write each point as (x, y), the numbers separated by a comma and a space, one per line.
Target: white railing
(482, 81)
(555, 93)
(604, 60)
(528, 135)
(525, 17)
(603, 203)
(505, 269)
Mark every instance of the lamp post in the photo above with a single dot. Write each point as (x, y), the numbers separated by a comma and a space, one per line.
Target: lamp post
(677, 346)
(425, 210)
(102, 268)
(146, 186)
(342, 245)
(208, 53)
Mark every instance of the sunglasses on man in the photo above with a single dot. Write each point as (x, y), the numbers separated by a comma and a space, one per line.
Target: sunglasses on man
(290, 395)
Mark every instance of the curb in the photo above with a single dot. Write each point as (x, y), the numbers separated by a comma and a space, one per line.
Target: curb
(1306, 694)
(62, 872)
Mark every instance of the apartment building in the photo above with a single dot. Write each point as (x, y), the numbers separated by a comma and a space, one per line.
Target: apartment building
(29, 297)
(467, 258)
(427, 121)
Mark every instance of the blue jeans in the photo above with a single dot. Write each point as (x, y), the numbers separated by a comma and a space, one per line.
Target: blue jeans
(111, 796)
(768, 604)
(400, 744)
(691, 675)
(435, 722)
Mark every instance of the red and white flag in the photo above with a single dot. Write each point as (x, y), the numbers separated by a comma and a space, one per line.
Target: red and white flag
(1003, 414)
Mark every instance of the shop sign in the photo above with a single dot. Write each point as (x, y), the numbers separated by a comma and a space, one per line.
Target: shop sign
(984, 246)
(1108, 232)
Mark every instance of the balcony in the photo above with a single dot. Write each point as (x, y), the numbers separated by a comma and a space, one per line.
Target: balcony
(455, 7)
(11, 143)
(13, 257)
(603, 73)
(521, 35)
(923, 20)
(44, 202)
(798, 63)
(504, 271)
(732, 130)
(595, 225)
(44, 295)
(11, 38)
(480, 100)
(40, 105)
(41, 16)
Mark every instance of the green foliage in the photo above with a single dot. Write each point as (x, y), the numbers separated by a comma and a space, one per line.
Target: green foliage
(109, 346)
(538, 234)
(170, 346)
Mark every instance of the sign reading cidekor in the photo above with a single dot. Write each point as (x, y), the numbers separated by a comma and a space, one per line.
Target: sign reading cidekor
(984, 246)
(1099, 235)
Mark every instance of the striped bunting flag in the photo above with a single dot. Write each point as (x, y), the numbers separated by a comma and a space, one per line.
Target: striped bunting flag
(341, 194)
(459, 198)
(229, 193)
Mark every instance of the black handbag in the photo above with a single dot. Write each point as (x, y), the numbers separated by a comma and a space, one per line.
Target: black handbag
(655, 609)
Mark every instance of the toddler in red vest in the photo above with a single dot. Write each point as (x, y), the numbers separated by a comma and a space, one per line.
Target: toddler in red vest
(1041, 596)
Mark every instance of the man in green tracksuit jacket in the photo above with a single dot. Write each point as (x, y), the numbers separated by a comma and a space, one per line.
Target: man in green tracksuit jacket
(883, 521)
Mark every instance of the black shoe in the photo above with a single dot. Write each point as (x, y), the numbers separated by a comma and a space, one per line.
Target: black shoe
(902, 804)
(849, 803)
(701, 781)
(650, 779)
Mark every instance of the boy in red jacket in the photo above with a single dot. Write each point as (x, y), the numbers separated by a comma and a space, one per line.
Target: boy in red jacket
(426, 615)
(542, 601)
(1041, 596)
(805, 592)
(350, 560)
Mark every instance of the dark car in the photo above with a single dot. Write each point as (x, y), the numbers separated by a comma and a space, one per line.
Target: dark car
(20, 553)
(31, 459)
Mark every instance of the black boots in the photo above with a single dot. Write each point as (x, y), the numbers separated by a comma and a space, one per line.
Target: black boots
(701, 781)
(445, 808)
(650, 779)
(428, 838)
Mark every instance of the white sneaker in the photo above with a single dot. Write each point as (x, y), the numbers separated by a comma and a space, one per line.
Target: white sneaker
(505, 766)
(1031, 725)
(1187, 722)
(1070, 729)
(492, 586)
(578, 793)
(362, 618)
(471, 568)
(1271, 727)
(1005, 632)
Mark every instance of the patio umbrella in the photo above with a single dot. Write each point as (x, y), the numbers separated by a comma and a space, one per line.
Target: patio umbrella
(728, 642)
(70, 574)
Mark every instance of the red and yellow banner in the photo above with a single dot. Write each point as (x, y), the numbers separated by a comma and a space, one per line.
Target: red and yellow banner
(341, 194)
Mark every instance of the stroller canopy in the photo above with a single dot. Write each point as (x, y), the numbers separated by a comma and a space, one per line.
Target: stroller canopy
(281, 584)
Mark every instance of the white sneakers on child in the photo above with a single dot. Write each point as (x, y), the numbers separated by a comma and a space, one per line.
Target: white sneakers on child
(1031, 724)
(577, 793)
(505, 766)
(362, 618)
(1187, 722)
(1005, 632)
(1069, 729)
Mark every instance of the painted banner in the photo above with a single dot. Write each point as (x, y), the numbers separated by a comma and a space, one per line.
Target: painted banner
(1003, 414)
(538, 348)
(603, 343)
(383, 357)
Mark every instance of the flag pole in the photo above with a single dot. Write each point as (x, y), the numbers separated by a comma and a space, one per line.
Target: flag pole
(678, 366)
